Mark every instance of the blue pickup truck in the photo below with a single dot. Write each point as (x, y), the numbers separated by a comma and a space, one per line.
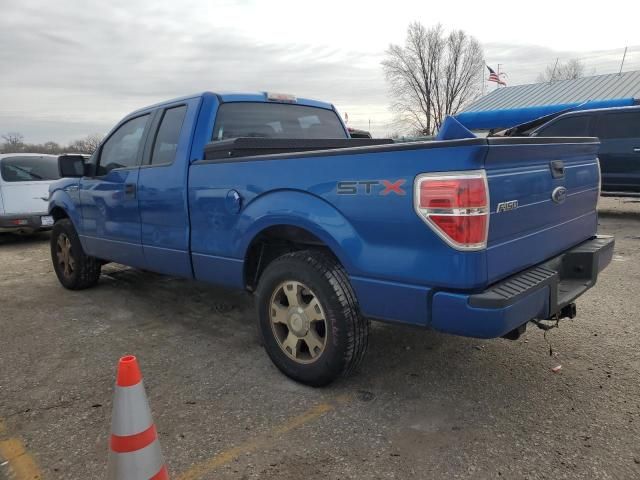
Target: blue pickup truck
(267, 193)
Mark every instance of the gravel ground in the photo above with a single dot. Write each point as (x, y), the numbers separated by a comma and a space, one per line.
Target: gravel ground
(424, 405)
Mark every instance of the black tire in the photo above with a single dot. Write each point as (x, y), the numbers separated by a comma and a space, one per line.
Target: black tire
(346, 331)
(86, 270)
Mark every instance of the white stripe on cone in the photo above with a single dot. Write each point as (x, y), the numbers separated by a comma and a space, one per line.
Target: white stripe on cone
(131, 412)
(139, 465)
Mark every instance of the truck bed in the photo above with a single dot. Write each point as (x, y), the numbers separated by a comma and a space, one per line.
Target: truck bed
(253, 146)
(368, 227)
(241, 147)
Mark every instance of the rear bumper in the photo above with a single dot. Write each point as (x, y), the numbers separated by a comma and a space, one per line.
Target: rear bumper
(29, 222)
(537, 293)
(620, 193)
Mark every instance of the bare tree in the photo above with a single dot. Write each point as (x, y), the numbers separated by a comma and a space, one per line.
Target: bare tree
(92, 142)
(434, 75)
(569, 70)
(50, 147)
(89, 144)
(13, 142)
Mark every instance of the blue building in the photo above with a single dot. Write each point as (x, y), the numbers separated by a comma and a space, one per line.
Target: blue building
(510, 106)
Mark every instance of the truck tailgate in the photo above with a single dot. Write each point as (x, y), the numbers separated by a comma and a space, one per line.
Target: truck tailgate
(543, 198)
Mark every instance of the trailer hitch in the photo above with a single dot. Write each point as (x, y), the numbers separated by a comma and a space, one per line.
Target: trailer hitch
(568, 311)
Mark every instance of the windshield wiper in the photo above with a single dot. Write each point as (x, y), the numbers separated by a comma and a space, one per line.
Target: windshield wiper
(34, 175)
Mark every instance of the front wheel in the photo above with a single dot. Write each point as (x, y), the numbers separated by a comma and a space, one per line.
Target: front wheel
(309, 318)
(75, 269)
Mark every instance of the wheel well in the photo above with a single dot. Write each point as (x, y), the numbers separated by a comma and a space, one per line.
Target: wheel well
(58, 214)
(274, 242)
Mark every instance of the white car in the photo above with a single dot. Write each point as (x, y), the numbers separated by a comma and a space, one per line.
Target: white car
(24, 191)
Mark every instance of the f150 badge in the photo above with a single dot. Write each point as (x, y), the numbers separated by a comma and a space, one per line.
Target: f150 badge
(506, 206)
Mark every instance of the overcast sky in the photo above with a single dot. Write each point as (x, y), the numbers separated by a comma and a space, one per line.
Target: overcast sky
(75, 67)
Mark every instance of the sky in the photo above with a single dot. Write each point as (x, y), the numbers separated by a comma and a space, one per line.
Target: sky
(75, 67)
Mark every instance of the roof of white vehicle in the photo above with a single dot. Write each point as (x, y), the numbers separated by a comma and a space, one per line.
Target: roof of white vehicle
(5, 155)
(48, 155)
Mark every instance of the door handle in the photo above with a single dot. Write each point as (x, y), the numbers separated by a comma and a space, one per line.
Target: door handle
(636, 149)
(130, 190)
(557, 168)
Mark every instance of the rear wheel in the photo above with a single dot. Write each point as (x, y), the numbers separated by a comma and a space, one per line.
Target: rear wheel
(309, 318)
(75, 269)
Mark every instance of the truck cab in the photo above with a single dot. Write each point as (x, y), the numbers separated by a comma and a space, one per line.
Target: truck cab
(133, 206)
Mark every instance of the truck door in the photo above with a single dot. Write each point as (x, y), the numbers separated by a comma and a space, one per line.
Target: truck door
(162, 190)
(619, 155)
(109, 200)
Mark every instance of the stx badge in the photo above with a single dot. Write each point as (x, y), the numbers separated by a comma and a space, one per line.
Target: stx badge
(506, 206)
(370, 187)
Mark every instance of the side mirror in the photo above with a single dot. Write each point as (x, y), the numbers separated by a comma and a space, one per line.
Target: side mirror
(71, 165)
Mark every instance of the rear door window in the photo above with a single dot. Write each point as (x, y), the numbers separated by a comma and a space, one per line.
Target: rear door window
(166, 142)
(275, 120)
(576, 126)
(29, 169)
(619, 125)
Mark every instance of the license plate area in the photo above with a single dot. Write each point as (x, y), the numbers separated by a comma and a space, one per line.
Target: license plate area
(46, 221)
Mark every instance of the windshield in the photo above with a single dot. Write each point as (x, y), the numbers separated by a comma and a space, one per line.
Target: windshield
(29, 169)
(275, 120)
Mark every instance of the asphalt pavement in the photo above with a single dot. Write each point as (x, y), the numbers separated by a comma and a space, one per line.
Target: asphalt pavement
(423, 405)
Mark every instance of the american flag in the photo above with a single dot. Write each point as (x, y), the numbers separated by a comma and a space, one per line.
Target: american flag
(494, 77)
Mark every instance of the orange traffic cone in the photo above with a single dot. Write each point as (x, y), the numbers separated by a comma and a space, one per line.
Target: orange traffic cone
(134, 449)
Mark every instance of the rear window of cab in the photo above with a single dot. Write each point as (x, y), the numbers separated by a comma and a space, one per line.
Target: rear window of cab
(275, 120)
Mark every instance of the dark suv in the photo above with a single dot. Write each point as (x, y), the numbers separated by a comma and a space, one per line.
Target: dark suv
(619, 133)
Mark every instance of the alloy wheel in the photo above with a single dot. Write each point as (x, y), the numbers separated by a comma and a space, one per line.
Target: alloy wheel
(64, 255)
(298, 322)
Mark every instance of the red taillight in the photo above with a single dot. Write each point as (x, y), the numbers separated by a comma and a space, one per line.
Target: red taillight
(455, 206)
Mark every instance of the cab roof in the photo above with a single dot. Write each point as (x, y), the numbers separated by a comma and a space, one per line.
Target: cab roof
(224, 97)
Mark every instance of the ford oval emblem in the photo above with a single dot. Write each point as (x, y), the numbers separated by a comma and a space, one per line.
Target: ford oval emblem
(559, 194)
